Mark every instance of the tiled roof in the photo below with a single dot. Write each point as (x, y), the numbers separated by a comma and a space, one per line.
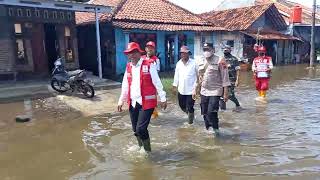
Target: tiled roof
(164, 26)
(284, 6)
(239, 18)
(150, 15)
(88, 18)
(270, 35)
(243, 18)
(156, 11)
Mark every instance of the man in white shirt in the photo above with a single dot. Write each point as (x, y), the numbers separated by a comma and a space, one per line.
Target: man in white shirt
(140, 86)
(185, 78)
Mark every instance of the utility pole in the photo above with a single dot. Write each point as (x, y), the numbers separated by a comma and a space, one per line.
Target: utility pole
(312, 50)
(98, 43)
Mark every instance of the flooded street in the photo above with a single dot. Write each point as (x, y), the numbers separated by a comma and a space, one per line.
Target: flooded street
(277, 140)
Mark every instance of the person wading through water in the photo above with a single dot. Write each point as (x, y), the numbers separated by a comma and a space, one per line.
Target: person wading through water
(213, 82)
(234, 76)
(185, 78)
(140, 86)
(151, 56)
(261, 68)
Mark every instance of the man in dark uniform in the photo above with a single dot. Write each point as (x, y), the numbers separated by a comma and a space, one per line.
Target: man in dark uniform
(234, 74)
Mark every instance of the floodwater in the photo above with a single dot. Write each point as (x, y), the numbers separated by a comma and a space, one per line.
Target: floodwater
(277, 140)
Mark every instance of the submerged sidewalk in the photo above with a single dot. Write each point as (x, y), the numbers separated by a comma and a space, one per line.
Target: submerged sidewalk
(10, 91)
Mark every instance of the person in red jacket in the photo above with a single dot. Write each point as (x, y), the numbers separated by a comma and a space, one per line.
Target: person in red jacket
(150, 56)
(140, 86)
(261, 68)
(151, 50)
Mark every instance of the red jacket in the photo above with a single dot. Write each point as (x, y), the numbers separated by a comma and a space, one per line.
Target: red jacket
(148, 90)
(153, 59)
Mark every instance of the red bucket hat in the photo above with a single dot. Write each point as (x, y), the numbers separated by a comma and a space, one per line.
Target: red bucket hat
(151, 43)
(133, 46)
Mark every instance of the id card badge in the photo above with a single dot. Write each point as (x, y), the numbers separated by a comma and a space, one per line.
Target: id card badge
(262, 75)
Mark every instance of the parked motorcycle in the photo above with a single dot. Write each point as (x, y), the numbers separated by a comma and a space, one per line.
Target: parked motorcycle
(63, 81)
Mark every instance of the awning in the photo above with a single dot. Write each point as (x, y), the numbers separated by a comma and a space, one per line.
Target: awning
(270, 35)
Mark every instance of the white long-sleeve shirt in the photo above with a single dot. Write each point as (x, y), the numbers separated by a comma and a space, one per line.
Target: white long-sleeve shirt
(185, 77)
(264, 62)
(135, 89)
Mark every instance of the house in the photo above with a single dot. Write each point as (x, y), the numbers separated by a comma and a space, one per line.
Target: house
(161, 21)
(301, 30)
(283, 6)
(247, 25)
(33, 36)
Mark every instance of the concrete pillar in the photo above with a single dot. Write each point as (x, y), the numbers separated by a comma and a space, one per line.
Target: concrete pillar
(176, 48)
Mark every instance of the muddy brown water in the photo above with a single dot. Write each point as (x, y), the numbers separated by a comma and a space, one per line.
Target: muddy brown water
(277, 140)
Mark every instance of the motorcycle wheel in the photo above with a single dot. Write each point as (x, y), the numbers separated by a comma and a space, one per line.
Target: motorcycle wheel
(56, 85)
(87, 90)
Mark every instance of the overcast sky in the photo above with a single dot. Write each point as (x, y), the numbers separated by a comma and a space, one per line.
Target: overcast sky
(199, 6)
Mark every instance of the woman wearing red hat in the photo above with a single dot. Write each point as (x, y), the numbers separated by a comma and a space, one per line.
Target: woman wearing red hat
(140, 86)
(261, 68)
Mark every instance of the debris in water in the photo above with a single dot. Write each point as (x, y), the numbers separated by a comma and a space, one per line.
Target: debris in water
(23, 118)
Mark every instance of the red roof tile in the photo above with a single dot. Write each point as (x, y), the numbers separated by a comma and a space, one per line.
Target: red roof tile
(156, 11)
(88, 18)
(151, 15)
(164, 26)
(285, 6)
(242, 18)
(270, 35)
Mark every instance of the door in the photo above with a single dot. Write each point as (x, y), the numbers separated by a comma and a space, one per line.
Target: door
(40, 61)
(51, 44)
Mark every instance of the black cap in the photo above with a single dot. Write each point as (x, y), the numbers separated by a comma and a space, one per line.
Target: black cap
(207, 45)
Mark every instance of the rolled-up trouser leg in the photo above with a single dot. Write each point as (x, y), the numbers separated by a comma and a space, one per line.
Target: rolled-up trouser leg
(190, 104)
(182, 102)
(232, 95)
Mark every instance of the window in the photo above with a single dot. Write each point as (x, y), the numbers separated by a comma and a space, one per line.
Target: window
(28, 13)
(230, 43)
(19, 12)
(67, 32)
(46, 14)
(55, 15)
(21, 55)
(17, 29)
(37, 12)
(68, 45)
(62, 15)
(142, 38)
(69, 16)
(20, 45)
(10, 12)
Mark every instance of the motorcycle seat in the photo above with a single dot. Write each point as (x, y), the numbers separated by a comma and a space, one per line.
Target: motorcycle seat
(74, 73)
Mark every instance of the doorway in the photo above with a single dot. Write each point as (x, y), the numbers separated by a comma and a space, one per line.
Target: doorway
(169, 43)
(39, 56)
(51, 44)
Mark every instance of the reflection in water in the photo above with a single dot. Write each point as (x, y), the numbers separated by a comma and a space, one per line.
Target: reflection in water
(277, 140)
